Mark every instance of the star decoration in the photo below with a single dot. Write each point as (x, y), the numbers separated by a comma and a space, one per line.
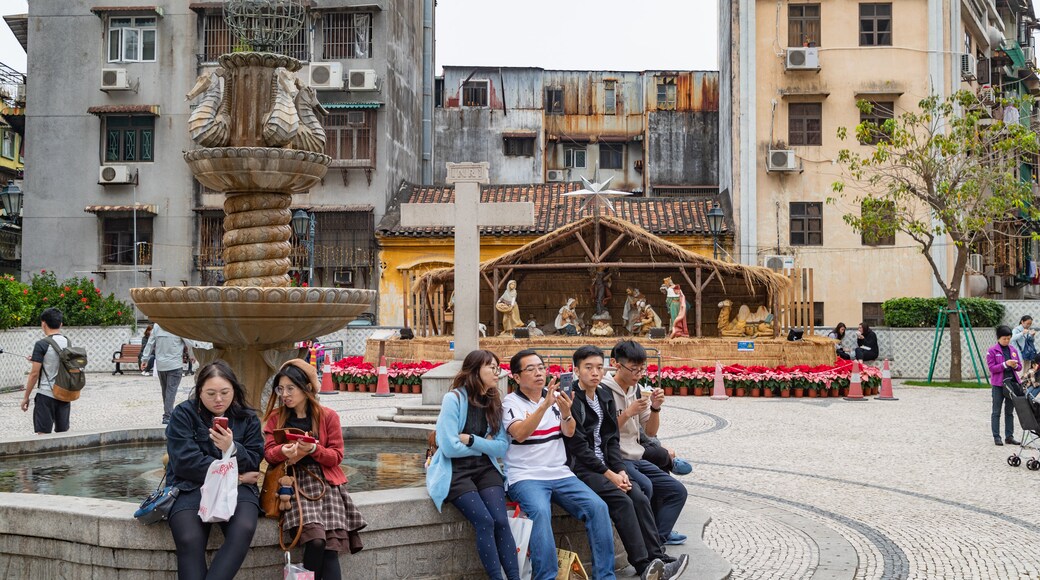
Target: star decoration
(597, 195)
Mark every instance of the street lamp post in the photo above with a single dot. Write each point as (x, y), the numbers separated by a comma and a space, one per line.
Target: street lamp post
(11, 198)
(716, 218)
(303, 227)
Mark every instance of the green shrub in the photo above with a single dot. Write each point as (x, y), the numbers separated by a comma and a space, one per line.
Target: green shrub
(81, 303)
(922, 312)
(15, 304)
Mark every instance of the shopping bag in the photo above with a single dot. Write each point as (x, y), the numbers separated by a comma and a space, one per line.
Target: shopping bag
(295, 571)
(570, 567)
(521, 528)
(220, 490)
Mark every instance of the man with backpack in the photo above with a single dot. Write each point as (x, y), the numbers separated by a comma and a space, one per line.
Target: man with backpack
(49, 413)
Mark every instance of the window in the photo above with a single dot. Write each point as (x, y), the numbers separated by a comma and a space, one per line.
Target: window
(475, 94)
(519, 146)
(351, 138)
(881, 213)
(611, 155)
(803, 25)
(131, 39)
(873, 315)
(217, 40)
(438, 93)
(875, 24)
(554, 101)
(817, 319)
(7, 150)
(129, 138)
(874, 122)
(574, 157)
(805, 124)
(666, 93)
(117, 240)
(806, 224)
(609, 97)
(346, 35)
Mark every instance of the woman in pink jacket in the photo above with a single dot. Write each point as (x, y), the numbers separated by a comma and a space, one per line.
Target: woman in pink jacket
(1003, 361)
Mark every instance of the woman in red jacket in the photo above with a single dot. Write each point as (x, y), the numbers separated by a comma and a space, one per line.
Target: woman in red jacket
(330, 521)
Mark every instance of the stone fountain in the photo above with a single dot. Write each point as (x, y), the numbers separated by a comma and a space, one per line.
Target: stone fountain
(260, 141)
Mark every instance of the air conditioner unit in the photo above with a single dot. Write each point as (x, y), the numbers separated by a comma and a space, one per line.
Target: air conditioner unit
(975, 263)
(325, 75)
(114, 79)
(115, 174)
(803, 58)
(361, 80)
(778, 262)
(987, 96)
(343, 277)
(556, 175)
(969, 67)
(781, 160)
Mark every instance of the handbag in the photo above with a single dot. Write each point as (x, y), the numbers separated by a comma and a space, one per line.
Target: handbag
(521, 528)
(269, 485)
(569, 566)
(156, 507)
(295, 571)
(1029, 349)
(220, 489)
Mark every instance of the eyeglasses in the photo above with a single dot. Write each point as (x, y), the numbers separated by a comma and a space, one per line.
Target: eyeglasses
(635, 371)
(495, 369)
(533, 368)
(286, 390)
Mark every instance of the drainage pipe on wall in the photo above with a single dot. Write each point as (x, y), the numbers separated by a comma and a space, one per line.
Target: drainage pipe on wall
(427, 93)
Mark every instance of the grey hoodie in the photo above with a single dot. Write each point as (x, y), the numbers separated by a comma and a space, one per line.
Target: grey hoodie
(631, 449)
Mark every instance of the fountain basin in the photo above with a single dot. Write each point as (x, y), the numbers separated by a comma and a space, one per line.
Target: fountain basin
(257, 169)
(47, 536)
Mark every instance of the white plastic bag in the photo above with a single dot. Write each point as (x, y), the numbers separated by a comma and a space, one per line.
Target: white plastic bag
(220, 490)
(294, 571)
(521, 528)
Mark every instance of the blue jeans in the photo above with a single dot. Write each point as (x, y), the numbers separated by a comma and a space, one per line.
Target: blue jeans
(1009, 417)
(667, 494)
(534, 497)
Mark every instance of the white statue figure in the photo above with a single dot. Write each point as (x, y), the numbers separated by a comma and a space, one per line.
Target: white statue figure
(567, 319)
(509, 308)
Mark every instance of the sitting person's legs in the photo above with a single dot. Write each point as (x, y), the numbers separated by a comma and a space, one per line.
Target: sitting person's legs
(579, 501)
(533, 497)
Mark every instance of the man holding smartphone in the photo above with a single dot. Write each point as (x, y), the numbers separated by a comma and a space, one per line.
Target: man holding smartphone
(640, 411)
(595, 456)
(538, 419)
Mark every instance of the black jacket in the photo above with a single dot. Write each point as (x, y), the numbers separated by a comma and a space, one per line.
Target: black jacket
(869, 340)
(191, 451)
(580, 448)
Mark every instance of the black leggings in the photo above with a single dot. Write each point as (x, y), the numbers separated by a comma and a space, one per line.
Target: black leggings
(486, 510)
(324, 564)
(191, 535)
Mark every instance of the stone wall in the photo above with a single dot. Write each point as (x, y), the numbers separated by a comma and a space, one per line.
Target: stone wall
(100, 342)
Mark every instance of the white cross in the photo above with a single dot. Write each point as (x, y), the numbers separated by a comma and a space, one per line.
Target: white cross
(466, 215)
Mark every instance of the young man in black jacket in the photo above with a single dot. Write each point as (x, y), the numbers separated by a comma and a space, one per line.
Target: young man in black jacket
(594, 453)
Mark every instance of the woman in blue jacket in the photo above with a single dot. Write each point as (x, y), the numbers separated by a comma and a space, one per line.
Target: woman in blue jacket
(465, 471)
(193, 441)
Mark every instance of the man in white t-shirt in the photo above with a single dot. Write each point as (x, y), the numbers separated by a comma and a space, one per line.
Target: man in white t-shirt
(537, 419)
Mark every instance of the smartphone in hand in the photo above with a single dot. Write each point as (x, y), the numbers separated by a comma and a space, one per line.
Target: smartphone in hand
(567, 383)
(222, 421)
(298, 437)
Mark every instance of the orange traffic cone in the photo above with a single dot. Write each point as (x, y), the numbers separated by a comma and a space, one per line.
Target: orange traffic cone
(855, 388)
(327, 387)
(719, 391)
(886, 384)
(383, 384)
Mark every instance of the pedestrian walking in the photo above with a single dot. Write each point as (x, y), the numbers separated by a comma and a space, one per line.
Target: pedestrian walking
(169, 352)
(49, 414)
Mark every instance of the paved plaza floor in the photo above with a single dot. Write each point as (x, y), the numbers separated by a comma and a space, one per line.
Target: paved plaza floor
(796, 488)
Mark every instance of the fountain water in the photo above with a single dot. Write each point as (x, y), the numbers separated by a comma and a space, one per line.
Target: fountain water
(261, 140)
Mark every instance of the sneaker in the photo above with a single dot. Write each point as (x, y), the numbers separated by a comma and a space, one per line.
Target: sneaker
(1012, 441)
(654, 571)
(676, 568)
(145, 373)
(681, 466)
(674, 538)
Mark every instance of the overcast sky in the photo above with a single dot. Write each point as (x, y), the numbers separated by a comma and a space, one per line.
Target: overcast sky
(553, 34)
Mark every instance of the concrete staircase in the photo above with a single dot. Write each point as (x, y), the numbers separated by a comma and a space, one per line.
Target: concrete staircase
(418, 414)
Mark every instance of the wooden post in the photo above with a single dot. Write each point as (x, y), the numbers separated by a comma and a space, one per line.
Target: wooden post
(812, 305)
(699, 303)
(494, 300)
(407, 274)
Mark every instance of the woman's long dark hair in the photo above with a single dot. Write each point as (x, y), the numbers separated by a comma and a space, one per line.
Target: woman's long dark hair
(469, 377)
(218, 368)
(301, 381)
(840, 334)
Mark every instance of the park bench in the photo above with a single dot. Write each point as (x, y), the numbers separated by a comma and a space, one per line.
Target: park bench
(127, 354)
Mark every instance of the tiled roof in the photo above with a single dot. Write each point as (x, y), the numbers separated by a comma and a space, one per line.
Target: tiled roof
(124, 110)
(552, 210)
(99, 10)
(142, 208)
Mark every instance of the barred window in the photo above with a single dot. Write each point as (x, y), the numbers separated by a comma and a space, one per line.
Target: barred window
(554, 101)
(666, 93)
(519, 146)
(129, 138)
(217, 40)
(346, 35)
(475, 93)
(351, 138)
(117, 240)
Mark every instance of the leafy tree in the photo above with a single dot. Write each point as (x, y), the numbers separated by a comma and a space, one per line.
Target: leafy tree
(947, 170)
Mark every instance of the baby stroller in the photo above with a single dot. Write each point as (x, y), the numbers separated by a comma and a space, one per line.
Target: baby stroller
(1027, 409)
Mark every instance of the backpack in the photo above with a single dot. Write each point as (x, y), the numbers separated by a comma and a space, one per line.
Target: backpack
(1029, 350)
(72, 364)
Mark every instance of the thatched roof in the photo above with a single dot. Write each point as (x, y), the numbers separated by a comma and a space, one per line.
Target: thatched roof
(654, 249)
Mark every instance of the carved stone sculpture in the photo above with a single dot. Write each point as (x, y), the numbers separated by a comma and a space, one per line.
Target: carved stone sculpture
(209, 124)
(311, 134)
(283, 122)
(744, 324)
(648, 318)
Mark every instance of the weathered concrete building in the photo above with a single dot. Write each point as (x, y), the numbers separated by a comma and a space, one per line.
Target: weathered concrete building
(653, 132)
(791, 75)
(109, 194)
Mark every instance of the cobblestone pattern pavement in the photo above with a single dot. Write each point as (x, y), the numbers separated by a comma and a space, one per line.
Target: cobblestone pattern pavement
(913, 488)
